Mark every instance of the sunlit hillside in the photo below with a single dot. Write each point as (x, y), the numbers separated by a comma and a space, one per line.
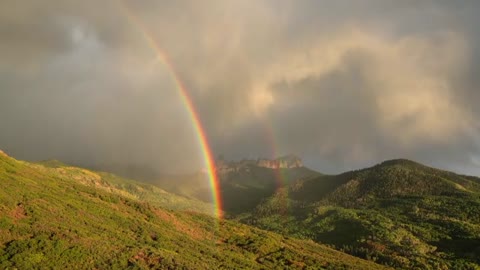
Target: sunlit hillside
(56, 217)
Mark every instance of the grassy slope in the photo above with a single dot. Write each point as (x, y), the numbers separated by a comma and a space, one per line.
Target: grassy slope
(64, 217)
(127, 188)
(398, 213)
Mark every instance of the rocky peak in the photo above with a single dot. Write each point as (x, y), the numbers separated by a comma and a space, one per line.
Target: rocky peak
(285, 162)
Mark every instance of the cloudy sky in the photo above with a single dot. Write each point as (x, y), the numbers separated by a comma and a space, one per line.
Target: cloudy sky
(343, 84)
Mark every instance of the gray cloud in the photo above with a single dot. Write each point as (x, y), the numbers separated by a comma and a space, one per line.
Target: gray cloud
(344, 84)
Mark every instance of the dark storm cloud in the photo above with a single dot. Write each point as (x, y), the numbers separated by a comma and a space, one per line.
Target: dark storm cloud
(344, 84)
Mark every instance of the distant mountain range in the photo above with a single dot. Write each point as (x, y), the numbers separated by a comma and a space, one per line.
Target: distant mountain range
(285, 162)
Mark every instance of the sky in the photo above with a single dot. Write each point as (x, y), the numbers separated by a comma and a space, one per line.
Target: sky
(342, 84)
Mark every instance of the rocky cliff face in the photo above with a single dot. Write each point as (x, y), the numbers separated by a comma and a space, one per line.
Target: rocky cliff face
(286, 162)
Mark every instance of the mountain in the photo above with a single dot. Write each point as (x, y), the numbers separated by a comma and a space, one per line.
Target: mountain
(398, 213)
(385, 180)
(54, 216)
(243, 183)
(285, 162)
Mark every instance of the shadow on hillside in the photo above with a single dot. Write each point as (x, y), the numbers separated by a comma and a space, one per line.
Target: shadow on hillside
(463, 248)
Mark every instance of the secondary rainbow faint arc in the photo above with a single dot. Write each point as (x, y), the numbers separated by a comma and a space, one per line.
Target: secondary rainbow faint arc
(187, 100)
(279, 177)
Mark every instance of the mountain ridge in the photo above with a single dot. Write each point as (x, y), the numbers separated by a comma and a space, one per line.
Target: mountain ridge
(398, 212)
(289, 161)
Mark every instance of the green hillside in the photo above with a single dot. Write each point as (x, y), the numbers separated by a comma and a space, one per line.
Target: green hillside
(398, 213)
(125, 187)
(60, 217)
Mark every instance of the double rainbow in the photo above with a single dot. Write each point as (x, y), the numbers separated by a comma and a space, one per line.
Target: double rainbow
(162, 57)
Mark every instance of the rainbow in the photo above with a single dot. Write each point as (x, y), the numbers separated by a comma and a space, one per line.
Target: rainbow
(162, 57)
(280, 178)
